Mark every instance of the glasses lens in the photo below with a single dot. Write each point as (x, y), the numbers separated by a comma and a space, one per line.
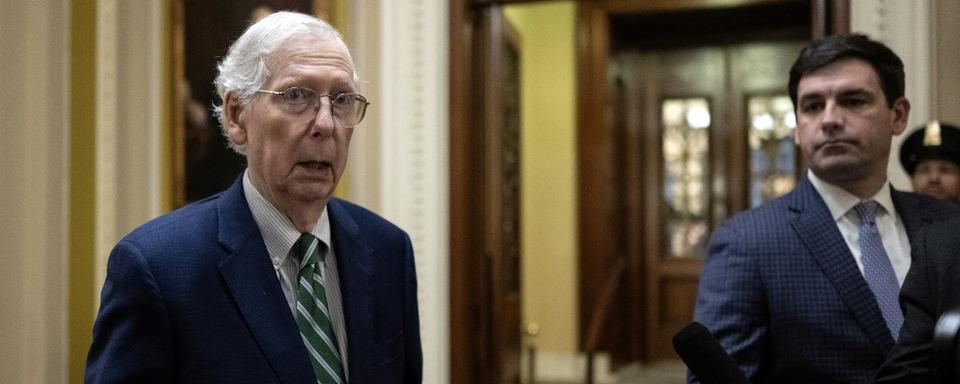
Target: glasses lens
(299, 100)
(348, 108)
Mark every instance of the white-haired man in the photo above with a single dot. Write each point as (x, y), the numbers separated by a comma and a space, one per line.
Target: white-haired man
(273, 280)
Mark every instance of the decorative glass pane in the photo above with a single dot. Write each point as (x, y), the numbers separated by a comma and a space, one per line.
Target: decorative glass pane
(686, 143)
(772, 153)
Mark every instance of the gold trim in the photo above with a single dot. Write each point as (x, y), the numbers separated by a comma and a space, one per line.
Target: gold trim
(83, 64)
(931, 135)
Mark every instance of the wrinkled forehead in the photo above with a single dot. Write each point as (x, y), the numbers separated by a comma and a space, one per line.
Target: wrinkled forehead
(329, 49)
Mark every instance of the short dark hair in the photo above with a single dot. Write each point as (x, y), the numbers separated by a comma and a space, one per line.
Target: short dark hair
(823, 52)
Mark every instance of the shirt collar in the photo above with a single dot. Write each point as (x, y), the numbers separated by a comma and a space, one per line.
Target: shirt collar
(839, 201)
(279, 233)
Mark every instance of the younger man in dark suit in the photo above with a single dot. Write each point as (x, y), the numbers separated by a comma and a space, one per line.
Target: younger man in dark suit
(804, 288)
(273, 280)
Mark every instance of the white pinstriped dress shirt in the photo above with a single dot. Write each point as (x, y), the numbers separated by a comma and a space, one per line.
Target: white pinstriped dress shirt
(279, 234)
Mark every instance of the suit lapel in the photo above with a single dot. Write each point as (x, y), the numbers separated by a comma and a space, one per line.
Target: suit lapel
(355, 263)
(251, 280)
(817, 230)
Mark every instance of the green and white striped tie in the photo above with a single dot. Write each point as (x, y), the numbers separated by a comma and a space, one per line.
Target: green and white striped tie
(313, 315)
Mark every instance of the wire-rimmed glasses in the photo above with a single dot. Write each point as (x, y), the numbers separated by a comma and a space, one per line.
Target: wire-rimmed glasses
(347, 109)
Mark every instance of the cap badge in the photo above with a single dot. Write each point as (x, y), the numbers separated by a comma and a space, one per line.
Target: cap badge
(931, 135)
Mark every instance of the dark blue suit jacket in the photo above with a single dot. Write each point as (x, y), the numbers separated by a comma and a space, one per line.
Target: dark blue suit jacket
(931, 288)
(192, 297)
(782, 293)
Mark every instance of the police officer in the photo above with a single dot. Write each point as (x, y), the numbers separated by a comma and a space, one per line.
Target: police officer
(931, 155)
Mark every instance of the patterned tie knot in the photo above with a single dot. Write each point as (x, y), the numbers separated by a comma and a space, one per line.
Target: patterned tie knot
(867, 211)
(310, 247)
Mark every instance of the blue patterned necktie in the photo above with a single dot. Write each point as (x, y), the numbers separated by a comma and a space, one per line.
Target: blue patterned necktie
(313, 315)
(877, 269)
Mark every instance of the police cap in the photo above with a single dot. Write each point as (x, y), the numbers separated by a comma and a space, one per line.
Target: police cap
(936, 140)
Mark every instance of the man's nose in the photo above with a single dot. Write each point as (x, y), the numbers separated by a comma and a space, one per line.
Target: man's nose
(832, 117)
(323, 124)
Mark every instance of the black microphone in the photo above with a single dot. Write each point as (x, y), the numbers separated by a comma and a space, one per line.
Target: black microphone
(705, 357)
(945, 346)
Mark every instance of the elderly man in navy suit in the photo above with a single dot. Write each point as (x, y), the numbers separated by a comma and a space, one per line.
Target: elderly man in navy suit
(272, 280)
(804, 288)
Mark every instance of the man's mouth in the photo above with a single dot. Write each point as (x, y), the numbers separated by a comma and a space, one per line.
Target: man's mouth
(836, 144)
(932, 189)
(318, 165)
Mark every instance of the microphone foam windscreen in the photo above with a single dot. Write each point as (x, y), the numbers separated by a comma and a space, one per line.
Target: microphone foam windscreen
(705, 357)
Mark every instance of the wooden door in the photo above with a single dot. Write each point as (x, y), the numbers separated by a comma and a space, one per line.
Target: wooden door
(611, 271)
(691, 162)
(667, 150)
(501, 126)
(683, 122)
(485, 340)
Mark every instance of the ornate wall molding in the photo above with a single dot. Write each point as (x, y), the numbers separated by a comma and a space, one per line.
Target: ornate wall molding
(399, 162)
(946, 50)
(363, 169)
(130, 108)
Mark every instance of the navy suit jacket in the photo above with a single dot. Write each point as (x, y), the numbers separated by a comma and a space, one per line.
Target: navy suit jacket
(192, 297)
(783, 294)
(932, 288)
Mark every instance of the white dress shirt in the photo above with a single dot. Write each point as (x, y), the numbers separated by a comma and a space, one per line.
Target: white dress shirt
(279, 235)
(892, 232)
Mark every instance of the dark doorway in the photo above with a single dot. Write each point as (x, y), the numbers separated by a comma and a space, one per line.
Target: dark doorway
(630, 295)
(685, 90)
(205, 29)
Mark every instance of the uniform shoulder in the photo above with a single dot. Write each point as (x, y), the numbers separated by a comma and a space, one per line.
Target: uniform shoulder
(945, 228)
(939, 209)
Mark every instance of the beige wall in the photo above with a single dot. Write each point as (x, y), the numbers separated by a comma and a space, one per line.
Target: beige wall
(34, 134)
(82, 116)
(947, 67)
(548, 164)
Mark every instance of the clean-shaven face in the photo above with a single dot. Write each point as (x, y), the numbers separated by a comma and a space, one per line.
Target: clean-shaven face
(293, 160)
(844, 125)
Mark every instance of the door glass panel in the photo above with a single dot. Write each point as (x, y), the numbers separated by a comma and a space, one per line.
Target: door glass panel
(773, 161)
(686, 144)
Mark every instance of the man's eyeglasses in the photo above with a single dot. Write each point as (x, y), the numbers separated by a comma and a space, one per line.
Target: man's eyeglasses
(348, 109)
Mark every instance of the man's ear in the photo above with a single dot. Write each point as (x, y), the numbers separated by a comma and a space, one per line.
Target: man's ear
(233, 119)
(901, 112)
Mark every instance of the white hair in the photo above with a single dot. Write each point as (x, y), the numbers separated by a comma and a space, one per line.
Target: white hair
(244, 70)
